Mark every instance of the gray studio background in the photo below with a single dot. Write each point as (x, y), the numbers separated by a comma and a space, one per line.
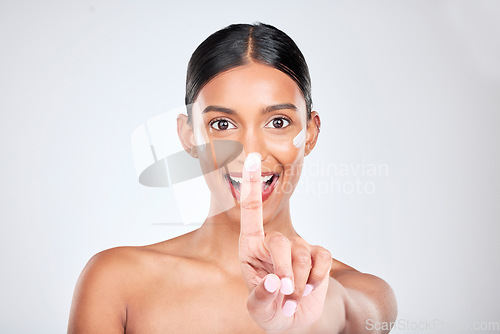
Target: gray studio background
(408, 87)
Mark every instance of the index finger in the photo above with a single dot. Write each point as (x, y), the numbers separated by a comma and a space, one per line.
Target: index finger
(251, 197)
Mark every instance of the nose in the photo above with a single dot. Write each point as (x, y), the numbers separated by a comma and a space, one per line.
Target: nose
(253, 141)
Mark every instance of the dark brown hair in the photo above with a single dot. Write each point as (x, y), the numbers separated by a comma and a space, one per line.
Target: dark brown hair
(239, 44)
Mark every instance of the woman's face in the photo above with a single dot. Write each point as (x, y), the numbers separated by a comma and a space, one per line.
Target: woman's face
(263, 109)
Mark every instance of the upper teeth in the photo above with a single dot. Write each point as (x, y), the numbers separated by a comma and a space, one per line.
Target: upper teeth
(266, 178)
(262, 178)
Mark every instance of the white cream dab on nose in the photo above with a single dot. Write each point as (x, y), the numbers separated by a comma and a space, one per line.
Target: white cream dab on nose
(252, 162)
(299, 139)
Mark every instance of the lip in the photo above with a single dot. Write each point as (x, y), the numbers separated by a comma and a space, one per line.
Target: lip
(265, 192)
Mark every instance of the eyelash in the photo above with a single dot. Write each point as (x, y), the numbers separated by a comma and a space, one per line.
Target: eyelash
(218, 120)
(225, 119)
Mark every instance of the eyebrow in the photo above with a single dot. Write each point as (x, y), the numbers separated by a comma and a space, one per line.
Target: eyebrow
(266, 110)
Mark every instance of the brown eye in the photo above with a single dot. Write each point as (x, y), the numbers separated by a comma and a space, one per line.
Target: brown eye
(221, 124)
(279, 122)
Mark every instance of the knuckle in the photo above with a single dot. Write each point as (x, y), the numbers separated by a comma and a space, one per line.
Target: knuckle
(278, 239)
(251, 204)
(303, 259)
(324, 255)
(273, 233)
(299, 241)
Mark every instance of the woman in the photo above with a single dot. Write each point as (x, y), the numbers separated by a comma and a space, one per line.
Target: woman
(245, 270)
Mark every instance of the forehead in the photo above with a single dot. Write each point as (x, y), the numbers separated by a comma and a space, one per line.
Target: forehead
(252, 85)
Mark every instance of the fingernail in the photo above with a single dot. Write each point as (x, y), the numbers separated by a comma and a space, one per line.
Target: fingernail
(308, 289)
(271, 283)
(289, 308)
(252, 163)
(286, 286)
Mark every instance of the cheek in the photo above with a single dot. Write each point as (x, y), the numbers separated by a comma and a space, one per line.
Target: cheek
(289, 156)
(282, 147)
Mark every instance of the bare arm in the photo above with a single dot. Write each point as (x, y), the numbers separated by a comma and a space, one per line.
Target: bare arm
(98, 302)
(369, 299)
(355, 302)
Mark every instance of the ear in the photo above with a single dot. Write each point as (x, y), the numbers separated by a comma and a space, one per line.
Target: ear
(313, 127)
(186, 135)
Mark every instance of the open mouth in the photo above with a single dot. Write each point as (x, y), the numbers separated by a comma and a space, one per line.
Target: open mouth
(268, 179)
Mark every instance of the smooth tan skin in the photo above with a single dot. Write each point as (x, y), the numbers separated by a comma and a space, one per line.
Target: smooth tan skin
(201, 282)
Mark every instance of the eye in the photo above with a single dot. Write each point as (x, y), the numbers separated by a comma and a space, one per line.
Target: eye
(221, 124)
(279, 122)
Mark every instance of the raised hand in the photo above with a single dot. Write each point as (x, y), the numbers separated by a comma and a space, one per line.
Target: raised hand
(287, 278)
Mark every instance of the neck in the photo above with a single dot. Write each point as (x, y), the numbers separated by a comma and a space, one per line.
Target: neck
(216, 241)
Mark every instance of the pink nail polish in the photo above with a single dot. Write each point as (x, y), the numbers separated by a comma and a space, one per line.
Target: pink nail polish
(286, 286)
(289, 308)
(272, 283)
(308, 289)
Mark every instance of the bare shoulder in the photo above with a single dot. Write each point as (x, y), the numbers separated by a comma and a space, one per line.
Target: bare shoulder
(350, 276)
(339, 267)
(111, 280)
(130, 260)
(117, 264)
(115, 258)
(107, 266)
(125, 265)
(372, 289)
(99, 300)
